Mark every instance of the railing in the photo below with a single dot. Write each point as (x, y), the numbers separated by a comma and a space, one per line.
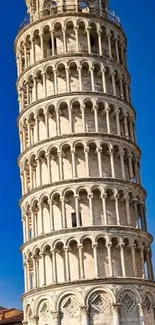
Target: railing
(108, 14)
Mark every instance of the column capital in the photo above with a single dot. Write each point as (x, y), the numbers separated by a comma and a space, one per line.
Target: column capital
(80, 246)
(113, 73)
(104, 196)
(117, 196)
(116, 309)
(99, 31)
(77, 197)
(99, 149)
(122, 152)
(133, 246)
(117, 111)
(34, 319)
(84, 310)
(121, 245)
(109, 245)
(130, 155)
(66, 248)
(24, 322)
(87, 149)
(55, 314)
(108, 33)
(79, 67)
(108, 109)
(148, 250)
(92, 68)
(103, 70)
(62, 199)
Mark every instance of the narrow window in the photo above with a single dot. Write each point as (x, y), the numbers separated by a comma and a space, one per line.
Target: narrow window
(74, 221)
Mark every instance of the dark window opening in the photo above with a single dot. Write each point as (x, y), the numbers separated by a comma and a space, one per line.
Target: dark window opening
(74, 220)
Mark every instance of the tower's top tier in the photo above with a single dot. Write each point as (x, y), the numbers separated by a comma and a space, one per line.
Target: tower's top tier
(39, 8)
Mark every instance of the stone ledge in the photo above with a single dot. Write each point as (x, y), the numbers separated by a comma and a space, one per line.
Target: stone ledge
(80, 135)
(107, 229)
(99, 281)
(105, 96)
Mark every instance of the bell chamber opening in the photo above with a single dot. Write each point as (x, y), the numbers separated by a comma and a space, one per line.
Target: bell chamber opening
(38, 8)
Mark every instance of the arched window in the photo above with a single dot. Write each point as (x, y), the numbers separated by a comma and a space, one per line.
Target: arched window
(49, 6)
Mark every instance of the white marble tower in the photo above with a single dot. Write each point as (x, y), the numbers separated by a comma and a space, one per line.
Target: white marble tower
(86, 249)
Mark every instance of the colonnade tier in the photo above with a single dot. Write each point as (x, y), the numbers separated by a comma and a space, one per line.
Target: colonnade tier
(76, 159)
(52, 119)
(77, 206)
(87, 256)
(70, 35)
(74, 75)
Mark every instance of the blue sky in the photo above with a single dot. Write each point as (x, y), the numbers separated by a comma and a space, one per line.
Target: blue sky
(139, 24)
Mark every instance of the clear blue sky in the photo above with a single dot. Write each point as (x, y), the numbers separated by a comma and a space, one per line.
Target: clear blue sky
(139, 24)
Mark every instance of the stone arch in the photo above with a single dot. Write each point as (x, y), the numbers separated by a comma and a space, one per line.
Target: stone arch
(98, 77)
(102, 257)
(64, 118)
(41, 124)
(88, 258)
(70, 309)
(54, 163)
(94, 38)
(89, 116)
(100, 288)
(100, 306)
(28, 312)
(43, 307)
(60, 261)
(97, 206)
(106, 163)
(101, 112)
(74, 82)
(67, 161)
(84, 208)
(122, 206)
(61, 78)
(52, 122)
(83, 42)
(70, 36)
(116, 257)
(147, 303)
(128, 257)
(93, 159)
(49, 80)
(58, 38)
(110, 206)
(86, 76)
(129, 300)
(80, 159)
(74, 259)
(57, 210)
(77, 116)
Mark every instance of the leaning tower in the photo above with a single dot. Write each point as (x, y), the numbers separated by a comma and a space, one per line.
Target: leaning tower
(86, 249)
